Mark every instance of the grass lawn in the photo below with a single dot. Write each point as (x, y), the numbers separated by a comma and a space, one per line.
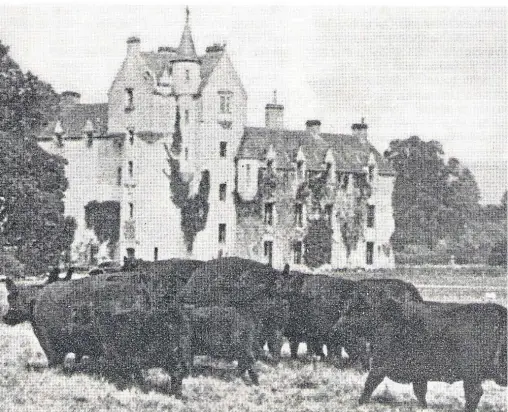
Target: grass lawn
(293, 386)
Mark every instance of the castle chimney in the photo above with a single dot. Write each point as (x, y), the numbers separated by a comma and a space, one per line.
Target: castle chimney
(68, 99)
(360, 130)
(133, 45)
(274, 114)
(313, 127)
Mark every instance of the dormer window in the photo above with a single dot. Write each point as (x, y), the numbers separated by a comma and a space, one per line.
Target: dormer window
(299, 169)
(225, 101)
(129, 99)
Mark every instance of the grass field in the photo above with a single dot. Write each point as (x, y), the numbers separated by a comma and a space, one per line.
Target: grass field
(293, 386)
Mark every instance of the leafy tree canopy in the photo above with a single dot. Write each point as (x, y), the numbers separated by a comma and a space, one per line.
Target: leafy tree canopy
(32, 181)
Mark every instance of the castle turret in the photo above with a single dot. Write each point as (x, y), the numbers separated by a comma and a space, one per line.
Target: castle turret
(360, 130)
(186, 66)
(274, 114)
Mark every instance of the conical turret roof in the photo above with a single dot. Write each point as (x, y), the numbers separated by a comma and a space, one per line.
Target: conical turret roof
(186, 51)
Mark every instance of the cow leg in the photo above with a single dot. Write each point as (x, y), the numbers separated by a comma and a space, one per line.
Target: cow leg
(375, 377)
(473, 391)
(420, 390)
(275, 345)
(293, 348)
(176, 386)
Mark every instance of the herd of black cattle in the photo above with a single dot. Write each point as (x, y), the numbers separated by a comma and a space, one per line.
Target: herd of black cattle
(162, 314)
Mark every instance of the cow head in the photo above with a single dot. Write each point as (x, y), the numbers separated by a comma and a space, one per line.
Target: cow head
(21, 299)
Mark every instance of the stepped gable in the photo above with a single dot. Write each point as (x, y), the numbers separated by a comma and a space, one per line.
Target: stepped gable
(350, 153)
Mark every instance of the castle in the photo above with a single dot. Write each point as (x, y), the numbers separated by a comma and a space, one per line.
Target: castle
(172, 167)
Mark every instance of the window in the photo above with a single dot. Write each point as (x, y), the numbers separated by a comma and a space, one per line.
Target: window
(186, 153)
(268, 249)
(131, 210)
(225, 103)
(119, 176)
(370, 253)
(223, 146)
(186, 116)
(297, 252)
(329, 213)
(187, 75)
(222, 233)
(269, 214)
(222, 191)
(371, 173)
(247, 173)
(131, 252)
(299, 169)
(131, 168)
(131, 137)
(129, 96)
(155, 254)
(299, 214)
(370, 215)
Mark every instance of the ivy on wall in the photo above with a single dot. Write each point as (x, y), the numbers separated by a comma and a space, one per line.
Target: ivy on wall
(104, 219)
(193, 210)
(318, 243)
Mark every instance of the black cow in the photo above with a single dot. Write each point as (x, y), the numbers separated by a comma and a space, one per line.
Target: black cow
(253, 288)
(136, 340)
(428, 341)
(316, 302)
(224, 332)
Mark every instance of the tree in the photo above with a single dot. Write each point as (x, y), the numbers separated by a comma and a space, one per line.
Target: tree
(419, 189)
(432, 200)
(32, 181)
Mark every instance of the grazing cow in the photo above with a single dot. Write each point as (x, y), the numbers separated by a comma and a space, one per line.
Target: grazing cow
(317, 301)
(254, 288)
(135, 340)
(21, 299)
(224, 332)
(63, 313)
(428, 341)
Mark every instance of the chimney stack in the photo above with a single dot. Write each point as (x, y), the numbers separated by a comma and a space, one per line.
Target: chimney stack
(69, 99)
(313, 127)
(133, 45)
(274, 114)
(360, 130)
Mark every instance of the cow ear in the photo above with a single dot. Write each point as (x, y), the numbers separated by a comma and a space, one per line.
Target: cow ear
(10, 285)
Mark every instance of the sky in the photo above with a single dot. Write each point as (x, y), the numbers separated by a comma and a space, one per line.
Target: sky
(438, 73)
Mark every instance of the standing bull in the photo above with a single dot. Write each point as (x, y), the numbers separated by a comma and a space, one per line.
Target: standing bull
(428, 341)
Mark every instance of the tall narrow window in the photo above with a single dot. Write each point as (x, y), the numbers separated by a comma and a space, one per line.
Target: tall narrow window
(269, 214)
(131, 210)
(187, 75)
(371, 173)
(268, 249)
(371, 209)
(370, 253)
(186, 116)
(299, 170)
(155, 254)
(299, 214)
(329, 213)
(131, 137)
(119, 176)
(222, 192)
(131, 168)
(222, 233)
(186, 151)
(222, 150)
(129, 97)
(247, 173)
(297, 252)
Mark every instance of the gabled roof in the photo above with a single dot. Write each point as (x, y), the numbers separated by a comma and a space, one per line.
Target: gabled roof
(157, 62)
(350, 153)
(73, 120)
